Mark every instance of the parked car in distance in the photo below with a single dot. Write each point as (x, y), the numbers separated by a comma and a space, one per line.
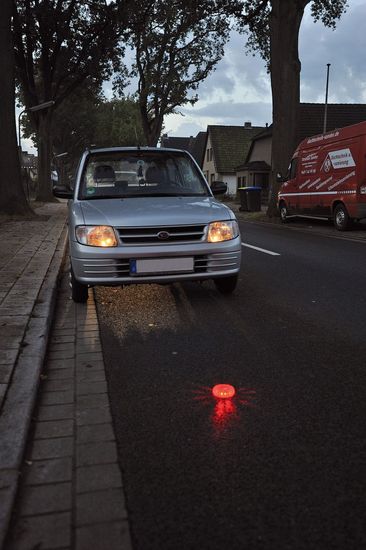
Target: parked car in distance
(327, 178)
(147, 215)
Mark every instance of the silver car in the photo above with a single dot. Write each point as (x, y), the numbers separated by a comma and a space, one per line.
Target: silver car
(147, 215)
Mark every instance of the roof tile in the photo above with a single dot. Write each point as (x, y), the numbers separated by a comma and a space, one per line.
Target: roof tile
(230, 145)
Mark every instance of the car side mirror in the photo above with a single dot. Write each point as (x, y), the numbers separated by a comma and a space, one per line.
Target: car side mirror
(218, 187)
(280, 178)
(62, 192)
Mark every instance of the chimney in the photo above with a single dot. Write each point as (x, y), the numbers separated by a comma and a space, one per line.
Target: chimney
(247, 124)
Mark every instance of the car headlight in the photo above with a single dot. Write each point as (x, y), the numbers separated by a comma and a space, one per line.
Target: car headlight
(222, 231)
(96, 235)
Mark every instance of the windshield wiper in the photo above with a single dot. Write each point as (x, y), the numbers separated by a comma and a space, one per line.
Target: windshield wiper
(142, 195)
(101, 197)
(173, 195)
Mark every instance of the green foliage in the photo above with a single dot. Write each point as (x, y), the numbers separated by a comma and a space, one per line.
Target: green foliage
(177, 44)
(253, 18)
(87, 119)
(60, 43)
(118, 123)
(328, 11)
(74, 123)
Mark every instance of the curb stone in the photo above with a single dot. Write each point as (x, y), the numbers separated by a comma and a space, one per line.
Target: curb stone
(71, 492)
(21, 395)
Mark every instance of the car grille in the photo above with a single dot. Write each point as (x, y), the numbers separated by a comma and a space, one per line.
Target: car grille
(217, 262)
(107, 268)
(209, 263)
(161, 235)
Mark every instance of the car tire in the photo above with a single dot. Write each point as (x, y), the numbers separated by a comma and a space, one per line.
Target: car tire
(226, 285)
(79, 292)
(341, 218)
(283, 212)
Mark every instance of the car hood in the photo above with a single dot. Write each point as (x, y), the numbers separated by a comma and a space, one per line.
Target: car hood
(147, 211)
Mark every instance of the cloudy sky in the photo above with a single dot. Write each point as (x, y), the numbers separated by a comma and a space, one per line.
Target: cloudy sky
(239, 89)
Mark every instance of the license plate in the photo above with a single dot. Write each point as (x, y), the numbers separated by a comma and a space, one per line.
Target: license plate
(161, 265)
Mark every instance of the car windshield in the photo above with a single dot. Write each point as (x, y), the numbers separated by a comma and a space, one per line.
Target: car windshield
(121, 174)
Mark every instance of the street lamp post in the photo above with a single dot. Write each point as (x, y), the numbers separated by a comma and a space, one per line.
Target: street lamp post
(43, 105)
(326, 101)
(39, 107)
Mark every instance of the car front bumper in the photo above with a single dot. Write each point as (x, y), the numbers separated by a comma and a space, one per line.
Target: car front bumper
(112, 266)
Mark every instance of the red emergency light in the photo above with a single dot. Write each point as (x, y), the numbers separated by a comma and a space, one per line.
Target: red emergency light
(223, 391)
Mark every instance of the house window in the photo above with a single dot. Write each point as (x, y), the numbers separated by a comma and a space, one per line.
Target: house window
(212, 178)
(209, 154)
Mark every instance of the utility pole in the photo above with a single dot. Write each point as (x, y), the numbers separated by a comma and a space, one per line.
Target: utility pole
(39, 107)
(326, 101)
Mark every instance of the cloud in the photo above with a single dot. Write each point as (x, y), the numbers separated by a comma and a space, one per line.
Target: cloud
(234, 112)
(239, 89)
(344, 49)
(187, 129)
(238, 77)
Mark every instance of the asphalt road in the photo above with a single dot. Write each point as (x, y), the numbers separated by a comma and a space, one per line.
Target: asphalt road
(281, 465)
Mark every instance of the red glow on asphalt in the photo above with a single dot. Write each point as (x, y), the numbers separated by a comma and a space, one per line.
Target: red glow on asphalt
(223, 391)
(224, 409)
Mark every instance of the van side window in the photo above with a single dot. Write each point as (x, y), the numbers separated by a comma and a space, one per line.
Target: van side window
(293, 169)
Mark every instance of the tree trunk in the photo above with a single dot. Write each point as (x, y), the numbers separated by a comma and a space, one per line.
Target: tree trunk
(151, 128)
(156, 128)
(12, 196)
(44, 157)
(285, 68)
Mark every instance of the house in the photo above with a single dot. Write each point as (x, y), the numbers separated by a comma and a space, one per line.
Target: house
(226, 148)
(28, 160)
(257, 166)
(194, 145)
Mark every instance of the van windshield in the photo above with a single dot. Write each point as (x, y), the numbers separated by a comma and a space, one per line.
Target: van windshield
(121, 174)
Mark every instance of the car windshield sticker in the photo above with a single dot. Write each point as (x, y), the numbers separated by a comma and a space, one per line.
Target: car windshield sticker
(90, 190)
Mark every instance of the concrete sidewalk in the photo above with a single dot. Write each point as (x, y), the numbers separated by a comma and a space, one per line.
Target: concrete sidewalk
(60, 483)
(70, 493)
(32, 254)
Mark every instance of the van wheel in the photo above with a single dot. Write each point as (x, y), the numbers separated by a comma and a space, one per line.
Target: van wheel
(226, 285)
(79, 292)
(283, 212)
(341, 218)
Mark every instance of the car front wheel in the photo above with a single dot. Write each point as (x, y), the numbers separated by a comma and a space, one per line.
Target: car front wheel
(341, 218)
(283, 212)
(226, 285)
(79, 292)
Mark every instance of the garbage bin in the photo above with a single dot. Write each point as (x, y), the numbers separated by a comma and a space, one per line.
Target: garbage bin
(250, 199)
(253, 198)
(243, 199)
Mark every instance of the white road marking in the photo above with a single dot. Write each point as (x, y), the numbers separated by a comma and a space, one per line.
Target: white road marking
(260, 249)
